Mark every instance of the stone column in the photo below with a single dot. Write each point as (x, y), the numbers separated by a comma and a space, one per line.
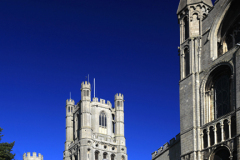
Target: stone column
(208, 136)
(229, 125)
(222, 130)
(215, 134)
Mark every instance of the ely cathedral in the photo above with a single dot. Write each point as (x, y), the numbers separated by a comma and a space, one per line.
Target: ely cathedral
(209, 84)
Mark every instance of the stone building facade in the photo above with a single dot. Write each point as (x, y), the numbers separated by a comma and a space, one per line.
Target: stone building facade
(95, 129)
(210, 81)
(33, 157)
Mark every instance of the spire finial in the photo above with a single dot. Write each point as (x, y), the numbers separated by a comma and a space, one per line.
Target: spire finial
(70, 95)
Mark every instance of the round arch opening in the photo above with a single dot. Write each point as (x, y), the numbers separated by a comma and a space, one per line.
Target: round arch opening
(221, 153)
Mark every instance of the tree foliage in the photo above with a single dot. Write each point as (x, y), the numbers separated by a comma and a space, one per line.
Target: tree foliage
(5, 149)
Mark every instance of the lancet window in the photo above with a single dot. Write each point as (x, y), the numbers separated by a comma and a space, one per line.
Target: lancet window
(102, 120)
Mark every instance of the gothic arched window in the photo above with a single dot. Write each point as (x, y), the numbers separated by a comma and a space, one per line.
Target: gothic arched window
(218, 93)
(102, 120)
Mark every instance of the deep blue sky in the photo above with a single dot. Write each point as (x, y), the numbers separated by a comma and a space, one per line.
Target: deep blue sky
(47, 49)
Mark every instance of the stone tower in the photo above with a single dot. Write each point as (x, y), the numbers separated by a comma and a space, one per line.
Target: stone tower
(95, 129)
(33, 157)
(190, 15)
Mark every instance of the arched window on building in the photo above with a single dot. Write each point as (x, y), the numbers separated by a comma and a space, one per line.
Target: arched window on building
(218, 93)
(186, 62)
(102, 120)
(104, 155)
(113, 123)
(123, 158)
(102, 123)
(96, 155)
(112, 157)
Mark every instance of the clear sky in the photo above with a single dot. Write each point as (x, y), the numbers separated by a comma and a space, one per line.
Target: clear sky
(47, 49)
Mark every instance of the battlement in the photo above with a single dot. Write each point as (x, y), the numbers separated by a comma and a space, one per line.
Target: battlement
(70, 102)
(85, 85)
(102, 101)
(33, 157)
(166, 146)
(118, 96)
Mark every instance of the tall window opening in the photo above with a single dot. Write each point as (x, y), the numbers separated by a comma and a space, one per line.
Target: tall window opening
(96, 155)
(226, 129)
(211, 136)
(218, 93)
(113, 123)
(104, 155)
(222, 96)
(219, 133)
(233, 126)
(103, 123)
(103, 120)
(186, 62)
(112, 157)
(205, 138)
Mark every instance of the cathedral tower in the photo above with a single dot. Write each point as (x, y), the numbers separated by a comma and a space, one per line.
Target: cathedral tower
(96, 128)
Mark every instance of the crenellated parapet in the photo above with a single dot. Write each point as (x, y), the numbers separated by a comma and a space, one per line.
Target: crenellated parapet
(101, 102)
(86, 85)
(166, 146)
(118, 96)
(33, 157)
(70, 102)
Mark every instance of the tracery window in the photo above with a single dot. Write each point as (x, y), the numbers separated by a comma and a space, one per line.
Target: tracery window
(102, 120)
(218, 93)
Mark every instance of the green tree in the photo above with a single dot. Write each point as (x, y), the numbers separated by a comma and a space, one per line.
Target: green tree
(5, 149)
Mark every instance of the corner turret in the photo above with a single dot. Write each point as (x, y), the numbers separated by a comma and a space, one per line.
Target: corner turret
(119, 101)
(86, 91)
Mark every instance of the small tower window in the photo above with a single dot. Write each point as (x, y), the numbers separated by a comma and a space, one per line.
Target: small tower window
(186, 62)
(118, 103)
(68, 109)
(87, 92)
